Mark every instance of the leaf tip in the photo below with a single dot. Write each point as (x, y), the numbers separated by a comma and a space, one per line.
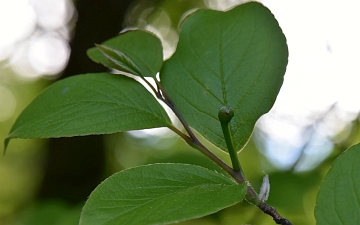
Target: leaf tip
(89, 52)
(6, 143)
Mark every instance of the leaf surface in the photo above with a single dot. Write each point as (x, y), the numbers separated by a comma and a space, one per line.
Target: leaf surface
(119, 60)
(138, 52)
(87, 104)
(160, 194)
(338, 200)
(236, 58)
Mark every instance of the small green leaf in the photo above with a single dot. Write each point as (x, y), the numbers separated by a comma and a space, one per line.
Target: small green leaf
(119, 60)
(160, 194)
(236, 59)
(338, 200)
(137, 52)
(89, 104)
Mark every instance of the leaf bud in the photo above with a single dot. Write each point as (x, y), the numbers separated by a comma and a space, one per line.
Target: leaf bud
(226, 113)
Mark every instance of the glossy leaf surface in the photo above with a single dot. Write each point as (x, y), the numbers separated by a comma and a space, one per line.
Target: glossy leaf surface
(137, 52)
(338, 200)
(87, 104)
(236, 58)
(160, 194)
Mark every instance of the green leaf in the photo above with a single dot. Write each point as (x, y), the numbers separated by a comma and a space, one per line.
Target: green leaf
(51, 212)
(338, 200)
(160, 194)
(137, 52)
(236, 58)
(119, 60)
(89, 104)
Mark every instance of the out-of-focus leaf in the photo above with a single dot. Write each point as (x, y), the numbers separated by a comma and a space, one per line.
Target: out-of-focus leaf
(51, 212)
(288, 190)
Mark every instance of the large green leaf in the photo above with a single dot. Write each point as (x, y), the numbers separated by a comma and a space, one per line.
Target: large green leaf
(89, 104)
(160, 194)
(137, 52)
(236, 58)
(338, 200)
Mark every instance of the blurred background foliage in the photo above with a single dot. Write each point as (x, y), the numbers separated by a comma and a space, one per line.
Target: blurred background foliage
(47, 181)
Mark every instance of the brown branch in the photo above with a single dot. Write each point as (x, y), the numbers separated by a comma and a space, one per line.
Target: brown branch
(274, 214)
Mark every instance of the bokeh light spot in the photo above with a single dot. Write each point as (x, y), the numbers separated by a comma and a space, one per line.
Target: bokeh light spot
(7, 104)
(17, 21)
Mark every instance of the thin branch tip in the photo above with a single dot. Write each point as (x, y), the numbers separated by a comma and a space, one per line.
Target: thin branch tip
(274, 214)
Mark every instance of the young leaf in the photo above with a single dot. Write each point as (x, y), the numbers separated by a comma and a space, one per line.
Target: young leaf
(137, 52)
(160, 194)
(235, 58)
(89, 104)
(338, 200)
(119, 60)
(264, 189)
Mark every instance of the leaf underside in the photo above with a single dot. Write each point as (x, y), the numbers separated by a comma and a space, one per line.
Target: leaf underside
(160, 194)
(338, 200)
(236, 58)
